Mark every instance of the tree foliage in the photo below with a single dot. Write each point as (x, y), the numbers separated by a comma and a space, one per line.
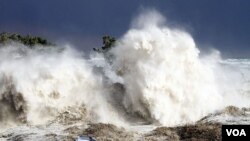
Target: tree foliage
(26, 40)
(108, 43)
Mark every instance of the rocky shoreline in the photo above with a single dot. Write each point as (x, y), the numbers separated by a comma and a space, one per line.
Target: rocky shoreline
(206, 129)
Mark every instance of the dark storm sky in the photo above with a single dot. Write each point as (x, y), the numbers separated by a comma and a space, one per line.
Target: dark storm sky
(222, 24)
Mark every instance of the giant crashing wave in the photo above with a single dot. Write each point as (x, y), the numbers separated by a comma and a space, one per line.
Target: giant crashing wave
(155, 76)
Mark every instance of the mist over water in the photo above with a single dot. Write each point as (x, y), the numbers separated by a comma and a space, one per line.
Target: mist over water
(154, 75)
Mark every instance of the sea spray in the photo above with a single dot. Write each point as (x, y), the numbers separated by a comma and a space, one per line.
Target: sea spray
(48, 81)
(165, 80)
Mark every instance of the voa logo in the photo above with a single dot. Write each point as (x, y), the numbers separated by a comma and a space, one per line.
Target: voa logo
(236, 132)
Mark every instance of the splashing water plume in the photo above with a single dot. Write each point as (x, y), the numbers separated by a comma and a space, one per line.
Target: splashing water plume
(47, 82)
(163, 75)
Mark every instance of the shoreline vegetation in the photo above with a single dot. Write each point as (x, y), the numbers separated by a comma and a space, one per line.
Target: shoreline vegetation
(27, 40)
(30, 40)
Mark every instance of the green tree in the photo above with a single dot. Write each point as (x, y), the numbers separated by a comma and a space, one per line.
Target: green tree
(26, 40)
(108, 43)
